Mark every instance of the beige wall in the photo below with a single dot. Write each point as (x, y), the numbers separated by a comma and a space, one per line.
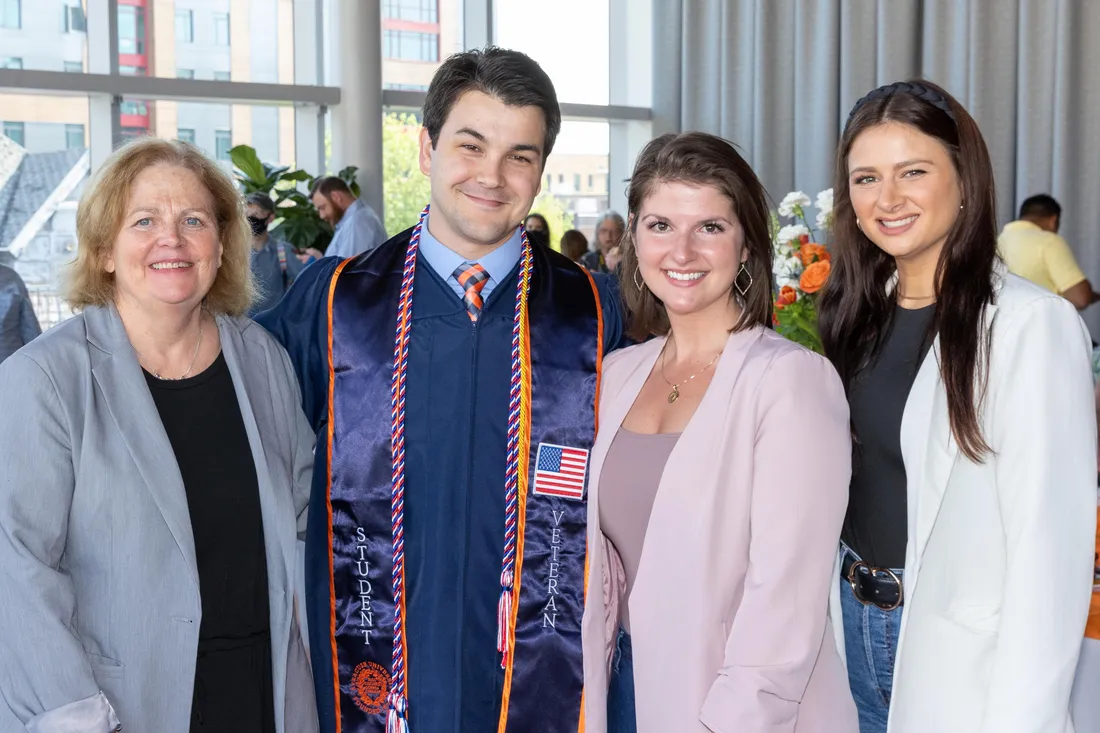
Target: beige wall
(42, 108)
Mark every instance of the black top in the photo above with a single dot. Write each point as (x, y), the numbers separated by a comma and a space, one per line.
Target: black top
(233, 689)
(875, 526)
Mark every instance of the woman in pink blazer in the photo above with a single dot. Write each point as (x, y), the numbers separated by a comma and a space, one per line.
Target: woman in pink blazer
(719, 476)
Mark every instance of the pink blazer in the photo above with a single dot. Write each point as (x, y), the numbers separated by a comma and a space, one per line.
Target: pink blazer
(729, 612)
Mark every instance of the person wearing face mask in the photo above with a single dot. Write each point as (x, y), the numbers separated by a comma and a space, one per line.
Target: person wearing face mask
(965, 570)
(452, 376)
(274, 264)
(721, 623)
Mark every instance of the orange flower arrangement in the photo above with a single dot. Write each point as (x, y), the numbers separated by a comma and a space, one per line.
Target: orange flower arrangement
(801, 267)
(814, 276)
(787, 295)
(811, 252)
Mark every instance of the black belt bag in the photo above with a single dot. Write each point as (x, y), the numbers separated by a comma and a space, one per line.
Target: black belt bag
(879, 587)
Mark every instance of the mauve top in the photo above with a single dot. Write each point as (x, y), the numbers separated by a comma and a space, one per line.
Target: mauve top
(628, 485)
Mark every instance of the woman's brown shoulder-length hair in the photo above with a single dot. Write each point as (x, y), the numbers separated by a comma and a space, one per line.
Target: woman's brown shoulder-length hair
(699, 159)
(100, 213)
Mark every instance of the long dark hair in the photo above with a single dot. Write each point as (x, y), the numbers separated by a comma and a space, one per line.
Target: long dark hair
(855, 309)
(699, 159)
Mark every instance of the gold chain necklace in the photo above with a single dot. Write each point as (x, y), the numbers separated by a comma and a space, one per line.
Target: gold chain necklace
(190, 366)
(675, 393)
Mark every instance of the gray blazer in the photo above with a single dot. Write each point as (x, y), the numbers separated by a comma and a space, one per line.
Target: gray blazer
(99, 590)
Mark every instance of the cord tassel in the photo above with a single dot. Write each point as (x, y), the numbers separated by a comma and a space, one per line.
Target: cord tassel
(504, 615)
(397, 718)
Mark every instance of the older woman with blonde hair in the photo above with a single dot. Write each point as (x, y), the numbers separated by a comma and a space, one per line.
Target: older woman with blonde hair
(155, 464)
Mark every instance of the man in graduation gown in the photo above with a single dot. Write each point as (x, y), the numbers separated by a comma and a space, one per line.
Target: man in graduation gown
(452, 377)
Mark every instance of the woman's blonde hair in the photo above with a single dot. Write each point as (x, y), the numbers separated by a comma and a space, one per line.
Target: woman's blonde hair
(99, 219)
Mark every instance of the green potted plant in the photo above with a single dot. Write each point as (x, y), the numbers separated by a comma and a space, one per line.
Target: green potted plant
(297, 220)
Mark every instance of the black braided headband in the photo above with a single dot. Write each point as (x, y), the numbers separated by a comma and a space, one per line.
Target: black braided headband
(916, 89)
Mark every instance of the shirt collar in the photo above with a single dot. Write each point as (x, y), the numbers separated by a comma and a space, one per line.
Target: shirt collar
(348, 213)
(445, 260)
(1023, 224)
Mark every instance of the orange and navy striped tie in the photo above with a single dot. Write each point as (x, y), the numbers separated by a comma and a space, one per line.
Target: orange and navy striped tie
(472, 278)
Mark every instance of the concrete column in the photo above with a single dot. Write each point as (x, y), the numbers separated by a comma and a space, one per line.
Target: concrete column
(104, 130)
(357, 120)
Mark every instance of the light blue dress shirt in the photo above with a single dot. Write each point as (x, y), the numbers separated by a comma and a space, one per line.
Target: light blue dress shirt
(445, 261)
(359, 230)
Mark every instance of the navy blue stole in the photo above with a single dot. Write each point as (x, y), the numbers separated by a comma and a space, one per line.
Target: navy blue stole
(544, 676)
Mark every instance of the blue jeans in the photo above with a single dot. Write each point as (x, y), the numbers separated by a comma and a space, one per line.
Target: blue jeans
(621, 716)
(871, 643)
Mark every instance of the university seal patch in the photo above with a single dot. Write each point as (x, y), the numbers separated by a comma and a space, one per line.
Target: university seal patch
(370, 685)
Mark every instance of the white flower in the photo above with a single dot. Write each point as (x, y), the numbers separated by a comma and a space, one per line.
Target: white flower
(824, 201)
(787, 270)
(793, 204)
(790, 233)
(825, 219)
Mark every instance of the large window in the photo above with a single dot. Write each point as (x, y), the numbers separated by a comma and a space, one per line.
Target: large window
(131, 29)
(417, 11)
(221, 29)
(570, 41)
(185, 26)
(11, 14)
(65, 123)
(411, 46)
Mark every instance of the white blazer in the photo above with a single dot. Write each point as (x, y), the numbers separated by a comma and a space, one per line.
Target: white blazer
(998, 568)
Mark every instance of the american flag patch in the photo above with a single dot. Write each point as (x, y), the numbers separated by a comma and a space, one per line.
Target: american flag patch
(560, 471)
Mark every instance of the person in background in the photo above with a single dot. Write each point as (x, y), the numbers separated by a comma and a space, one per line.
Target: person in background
(274, 262)
(18, 324)
(536, 223)
(155, 467)
(357, 227)
(1032, 249)
(609, 232)
(966, 560)
(574, 244)
(698, 457)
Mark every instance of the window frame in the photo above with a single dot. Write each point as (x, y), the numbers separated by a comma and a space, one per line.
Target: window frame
(189, 15)
(72, 129)
(222, 137)
(219, 18)
(9, 126)
(4, 22)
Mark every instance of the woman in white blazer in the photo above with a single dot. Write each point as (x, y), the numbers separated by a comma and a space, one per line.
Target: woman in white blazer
(155, 465)
(965, 569)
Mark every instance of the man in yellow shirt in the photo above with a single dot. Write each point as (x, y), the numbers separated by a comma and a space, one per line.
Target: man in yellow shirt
(1033, 250)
